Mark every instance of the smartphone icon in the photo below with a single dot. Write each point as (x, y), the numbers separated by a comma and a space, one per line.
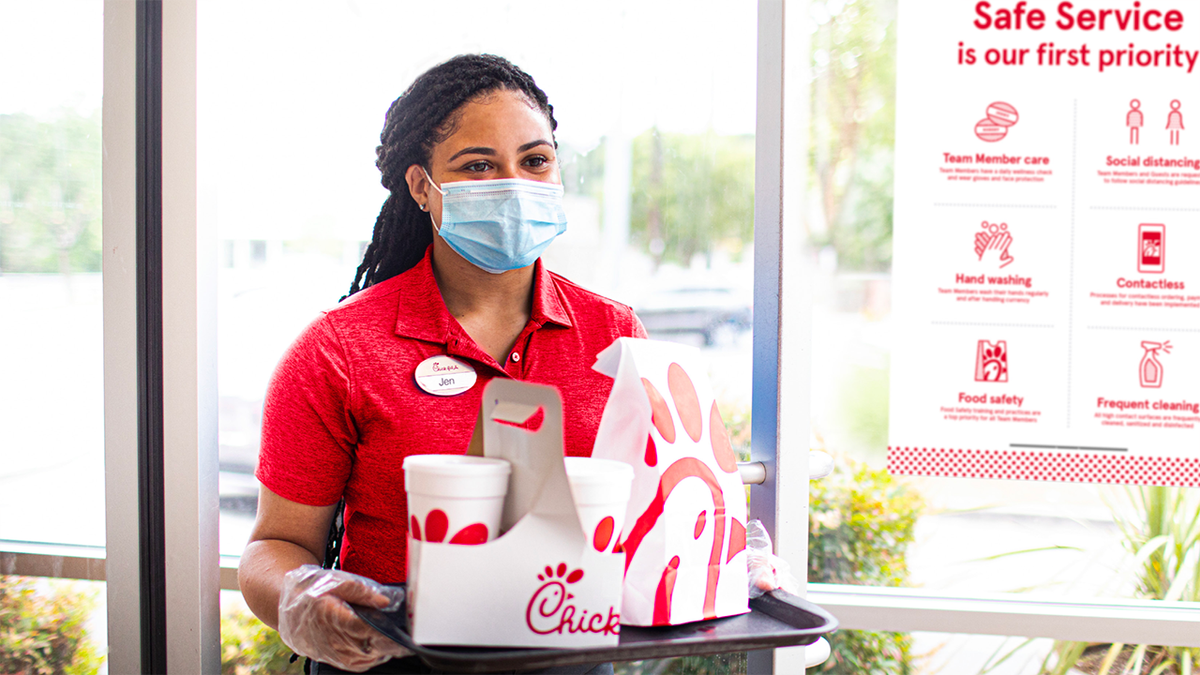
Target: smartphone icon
(1152, 247)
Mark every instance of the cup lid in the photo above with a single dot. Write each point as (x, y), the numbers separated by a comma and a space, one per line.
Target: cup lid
(456, 465)
(593, 470)
(599, 481)
(459, 476)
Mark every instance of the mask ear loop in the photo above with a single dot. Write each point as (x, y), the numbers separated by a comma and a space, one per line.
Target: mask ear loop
(424, 207)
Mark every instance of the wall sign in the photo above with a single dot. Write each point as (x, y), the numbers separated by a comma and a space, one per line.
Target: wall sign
(1046, 274)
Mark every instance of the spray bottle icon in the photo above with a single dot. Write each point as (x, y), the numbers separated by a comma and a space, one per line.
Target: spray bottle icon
(1150, 372)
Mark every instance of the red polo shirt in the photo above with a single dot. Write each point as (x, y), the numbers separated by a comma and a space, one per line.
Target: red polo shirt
(343, 409)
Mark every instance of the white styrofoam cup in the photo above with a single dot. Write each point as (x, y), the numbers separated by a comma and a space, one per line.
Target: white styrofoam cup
(456, 499)
(601, 489)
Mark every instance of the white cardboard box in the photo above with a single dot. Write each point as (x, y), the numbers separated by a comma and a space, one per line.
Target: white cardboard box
(540, 583)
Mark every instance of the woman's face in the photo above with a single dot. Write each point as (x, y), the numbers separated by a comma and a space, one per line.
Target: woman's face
(499, 135)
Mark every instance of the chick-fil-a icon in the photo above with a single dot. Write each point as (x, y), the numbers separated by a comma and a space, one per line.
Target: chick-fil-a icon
(550, 609)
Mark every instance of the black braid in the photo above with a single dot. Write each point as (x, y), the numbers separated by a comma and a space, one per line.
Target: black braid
(424, 115)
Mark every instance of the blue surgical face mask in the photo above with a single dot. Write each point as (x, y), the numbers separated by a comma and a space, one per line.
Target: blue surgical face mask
(500, 225)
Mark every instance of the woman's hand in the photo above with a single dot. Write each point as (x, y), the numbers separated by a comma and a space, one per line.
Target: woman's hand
(286, 588)
(316, 621)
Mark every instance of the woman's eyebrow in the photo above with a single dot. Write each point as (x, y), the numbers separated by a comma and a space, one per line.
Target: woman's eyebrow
(533, 144)
(482, 150)
(476, 150)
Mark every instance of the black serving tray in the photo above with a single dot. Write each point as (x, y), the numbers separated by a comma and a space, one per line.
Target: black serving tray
(776, 619)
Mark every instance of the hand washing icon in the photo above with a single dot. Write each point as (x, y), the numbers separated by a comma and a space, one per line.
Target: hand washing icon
(991, 245)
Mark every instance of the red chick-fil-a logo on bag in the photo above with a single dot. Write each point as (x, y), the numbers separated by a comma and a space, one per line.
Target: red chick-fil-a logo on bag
(550, 609)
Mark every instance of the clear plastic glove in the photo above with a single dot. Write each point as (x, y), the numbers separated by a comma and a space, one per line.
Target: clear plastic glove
(767, 571)
(316, 621)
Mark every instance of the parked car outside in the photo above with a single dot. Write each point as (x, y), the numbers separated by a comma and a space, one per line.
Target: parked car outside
(704, 310)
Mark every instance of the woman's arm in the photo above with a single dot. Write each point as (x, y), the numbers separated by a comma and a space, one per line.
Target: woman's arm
(286, 535)
(317, 621)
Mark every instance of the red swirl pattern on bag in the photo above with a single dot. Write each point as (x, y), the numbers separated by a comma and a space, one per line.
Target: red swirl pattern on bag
(685, 403)
(660, 414)
(664, 593)
(687, 467)
(719, 437)
(651, 458)
(737, 539)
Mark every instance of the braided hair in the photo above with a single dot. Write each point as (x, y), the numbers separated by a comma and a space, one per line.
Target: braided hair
(425, 115)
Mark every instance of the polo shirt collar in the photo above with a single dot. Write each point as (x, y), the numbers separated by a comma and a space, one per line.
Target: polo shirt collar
(547, 301)
(421, 313)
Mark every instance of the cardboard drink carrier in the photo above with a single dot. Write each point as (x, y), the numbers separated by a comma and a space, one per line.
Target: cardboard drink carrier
(542, 582)
(685, 527)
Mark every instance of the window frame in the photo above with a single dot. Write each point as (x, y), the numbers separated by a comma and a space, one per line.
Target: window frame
(163, 603)
(782, 342)
(782, 362)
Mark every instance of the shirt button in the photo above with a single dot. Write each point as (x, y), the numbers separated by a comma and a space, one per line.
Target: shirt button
(515, 357)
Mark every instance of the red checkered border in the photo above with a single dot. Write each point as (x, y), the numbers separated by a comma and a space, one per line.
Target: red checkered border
(1070, 467)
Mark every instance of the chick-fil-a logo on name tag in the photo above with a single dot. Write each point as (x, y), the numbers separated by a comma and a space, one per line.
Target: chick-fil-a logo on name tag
(550, 609)
(444, 376)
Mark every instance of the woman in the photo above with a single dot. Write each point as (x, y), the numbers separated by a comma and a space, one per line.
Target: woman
(451, 271)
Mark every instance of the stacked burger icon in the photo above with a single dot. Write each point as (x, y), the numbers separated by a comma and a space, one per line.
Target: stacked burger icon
(1000, 116)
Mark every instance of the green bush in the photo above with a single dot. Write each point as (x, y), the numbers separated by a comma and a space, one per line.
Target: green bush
(250, 647)
(1160, 527)
(44, 633)
(861, 522)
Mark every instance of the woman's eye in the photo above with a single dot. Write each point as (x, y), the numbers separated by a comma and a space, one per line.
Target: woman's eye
(476, 166)
(537, 161)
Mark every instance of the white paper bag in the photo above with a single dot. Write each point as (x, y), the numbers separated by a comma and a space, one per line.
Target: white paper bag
(685, 529)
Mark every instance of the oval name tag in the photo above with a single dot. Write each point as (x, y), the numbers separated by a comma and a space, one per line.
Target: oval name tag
(444, 376)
